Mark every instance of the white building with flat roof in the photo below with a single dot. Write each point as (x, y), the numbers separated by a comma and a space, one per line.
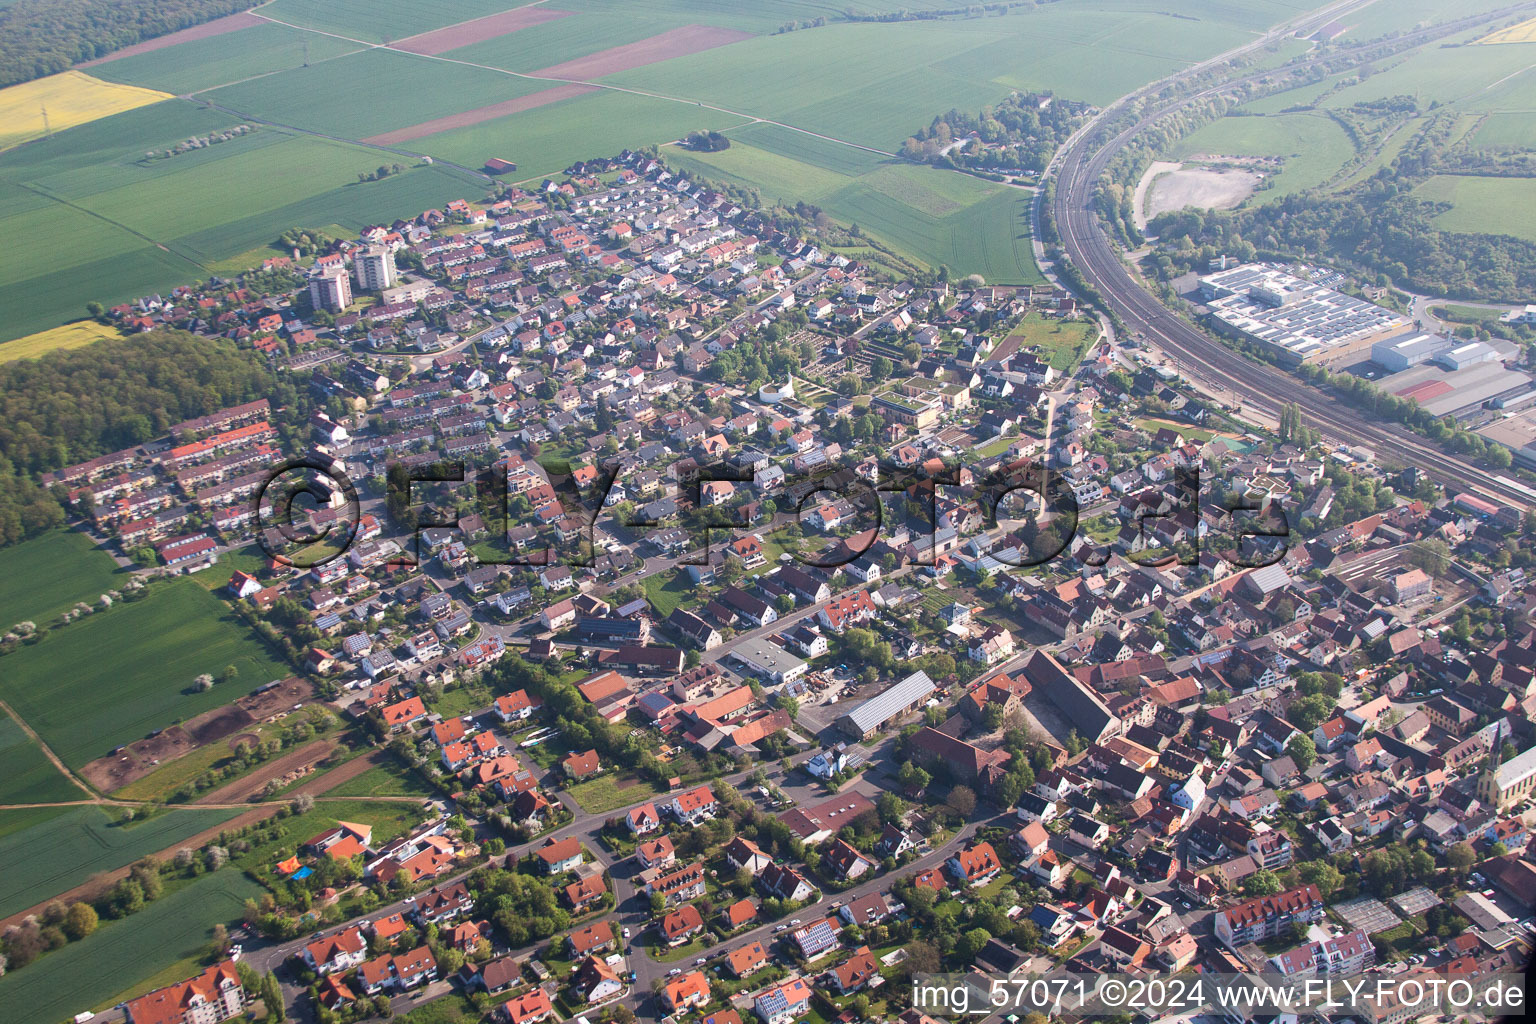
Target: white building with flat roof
(769, 660)
(1407, 351)
(1472, 353)
(1301, 321)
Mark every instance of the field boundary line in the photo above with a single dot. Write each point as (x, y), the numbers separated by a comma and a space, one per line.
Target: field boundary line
(251, 813)
(39, 190)
(49, 754)
(578, 81)
(466, 21)
(269, 74)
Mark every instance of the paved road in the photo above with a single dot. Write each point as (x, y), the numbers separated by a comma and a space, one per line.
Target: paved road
(585, 826)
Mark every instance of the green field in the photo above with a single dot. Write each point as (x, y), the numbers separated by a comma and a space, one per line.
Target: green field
(379, 20)
(418, 90)
(94, 972)
(1484, 78)
(50, 574)
(220, 60)
(118, 228)
(1404, 15)
(926, 214)
(49, 856)
(118, 675)
(19, 819)
(387, 779)
(667, 590)
(611, 792)
(26, 775)
(1062, 343)
(142, 226)
(555, 42)
(1313, 146)
(1507, 130)
(1497, 206)
(542, 141)
(875, 84)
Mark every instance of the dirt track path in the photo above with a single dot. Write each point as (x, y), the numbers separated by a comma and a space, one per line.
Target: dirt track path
(101, 881)
(47, 750)
(242, 790)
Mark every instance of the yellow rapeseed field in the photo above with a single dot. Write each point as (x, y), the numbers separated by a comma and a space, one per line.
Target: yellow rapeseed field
(75, 335)
(70, 98)
(1525, 32)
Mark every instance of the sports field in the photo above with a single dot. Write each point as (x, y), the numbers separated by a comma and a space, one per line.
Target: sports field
(75, 335)
(120, 674)
(50, 857)
(1495, 206)
(32, 109)
(60, 569)
(94, 972)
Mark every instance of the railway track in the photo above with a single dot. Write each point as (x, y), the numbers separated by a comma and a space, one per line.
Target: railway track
(1082, 163)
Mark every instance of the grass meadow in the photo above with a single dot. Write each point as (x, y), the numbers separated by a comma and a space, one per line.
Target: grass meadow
(1313, 146)
(1062, 343)
(56, 570)
(1495, 206)
(387, 779)
(47, 857)
(610, 792)
(96, 971)
(118, 675)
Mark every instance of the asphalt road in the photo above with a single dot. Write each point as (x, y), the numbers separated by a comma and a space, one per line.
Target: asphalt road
(632, 907)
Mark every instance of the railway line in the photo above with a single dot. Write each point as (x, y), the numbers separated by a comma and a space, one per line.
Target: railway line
(1079, 166)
